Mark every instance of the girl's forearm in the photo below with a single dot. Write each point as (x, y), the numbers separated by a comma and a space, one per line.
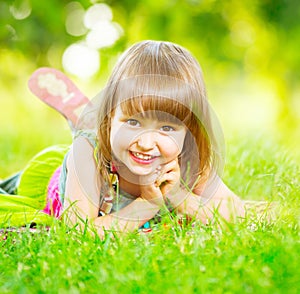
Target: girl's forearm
(228, 206)
(190, 204)
(128, 218)
(185, 202)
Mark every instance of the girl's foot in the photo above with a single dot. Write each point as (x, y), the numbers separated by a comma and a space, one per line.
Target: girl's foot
(58, 91)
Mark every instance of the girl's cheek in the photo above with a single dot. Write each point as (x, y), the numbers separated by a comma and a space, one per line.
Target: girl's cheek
(173, 144)
(170, 149)
(122, 137)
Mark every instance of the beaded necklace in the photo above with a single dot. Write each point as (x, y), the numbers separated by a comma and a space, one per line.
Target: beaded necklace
(109, 197)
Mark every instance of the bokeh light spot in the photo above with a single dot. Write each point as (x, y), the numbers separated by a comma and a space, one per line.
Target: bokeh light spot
(98, 12)
(242, 34)
(74, 21)
(103, 34)
(81, 60)
(20, 9)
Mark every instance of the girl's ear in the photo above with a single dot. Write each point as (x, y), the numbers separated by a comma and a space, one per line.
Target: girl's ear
(58, 91)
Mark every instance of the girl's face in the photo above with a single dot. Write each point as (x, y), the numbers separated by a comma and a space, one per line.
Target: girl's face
(144, 142)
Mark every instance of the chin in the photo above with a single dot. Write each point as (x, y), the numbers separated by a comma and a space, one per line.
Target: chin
(141, 171)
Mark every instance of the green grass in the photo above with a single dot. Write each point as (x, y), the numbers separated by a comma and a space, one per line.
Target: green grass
(249, 257)
(202, 259)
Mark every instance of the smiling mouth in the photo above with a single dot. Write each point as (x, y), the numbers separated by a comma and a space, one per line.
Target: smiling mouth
(142, 157)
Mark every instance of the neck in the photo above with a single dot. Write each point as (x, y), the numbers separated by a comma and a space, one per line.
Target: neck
(129, 187)
(128, 182)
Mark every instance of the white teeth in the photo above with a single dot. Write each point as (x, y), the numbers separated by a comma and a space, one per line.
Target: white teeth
(142, 156)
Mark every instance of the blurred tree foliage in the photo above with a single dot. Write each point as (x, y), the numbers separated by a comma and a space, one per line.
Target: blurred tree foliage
(255, 38)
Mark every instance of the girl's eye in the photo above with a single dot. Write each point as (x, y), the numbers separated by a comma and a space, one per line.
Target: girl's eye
(167, 129)
(133, 122)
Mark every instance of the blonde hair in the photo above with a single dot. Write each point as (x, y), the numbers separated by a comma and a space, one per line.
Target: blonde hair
(156, 75)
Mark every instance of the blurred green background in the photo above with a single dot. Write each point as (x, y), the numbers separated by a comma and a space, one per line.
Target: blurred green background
(248, 50)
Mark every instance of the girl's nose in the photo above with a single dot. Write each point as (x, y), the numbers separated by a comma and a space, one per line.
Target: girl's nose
(146, 140)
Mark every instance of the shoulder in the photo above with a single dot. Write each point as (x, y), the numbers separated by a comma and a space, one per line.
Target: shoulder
(82, 181)
(81, 153)
(89, 135)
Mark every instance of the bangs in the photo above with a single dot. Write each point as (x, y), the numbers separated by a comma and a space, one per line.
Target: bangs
(160, 108)
(154, 96)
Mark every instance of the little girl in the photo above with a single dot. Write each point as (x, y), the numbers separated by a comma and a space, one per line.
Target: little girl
(148, 142)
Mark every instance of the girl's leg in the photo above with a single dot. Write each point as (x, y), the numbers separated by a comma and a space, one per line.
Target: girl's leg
(16, 210)
(35, 186)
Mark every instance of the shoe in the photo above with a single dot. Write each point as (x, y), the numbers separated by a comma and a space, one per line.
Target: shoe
(58, 91)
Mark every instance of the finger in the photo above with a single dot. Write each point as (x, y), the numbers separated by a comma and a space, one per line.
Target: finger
(169, 172)
(170, 166)
(171, 178)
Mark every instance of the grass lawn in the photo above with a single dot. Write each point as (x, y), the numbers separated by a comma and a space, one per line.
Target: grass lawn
(250, 257)
(253, 256)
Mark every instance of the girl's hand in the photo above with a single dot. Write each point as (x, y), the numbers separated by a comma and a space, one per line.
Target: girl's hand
(152, 193)
(166, 178)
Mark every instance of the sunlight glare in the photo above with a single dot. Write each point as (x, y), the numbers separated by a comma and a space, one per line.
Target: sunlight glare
(81, 60)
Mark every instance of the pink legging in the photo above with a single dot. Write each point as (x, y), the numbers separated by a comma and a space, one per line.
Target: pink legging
(54, 205)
